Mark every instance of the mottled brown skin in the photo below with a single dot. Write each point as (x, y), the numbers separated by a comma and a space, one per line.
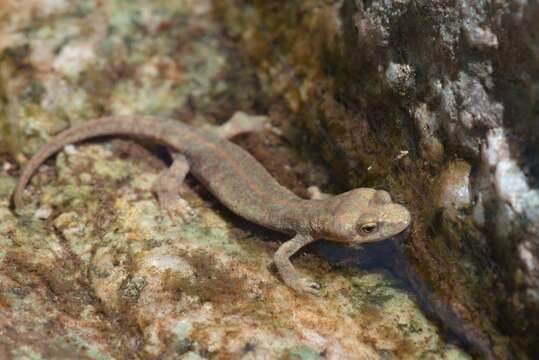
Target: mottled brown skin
(244, 186)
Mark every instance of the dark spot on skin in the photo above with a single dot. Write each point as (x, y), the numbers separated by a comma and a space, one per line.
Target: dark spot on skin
(248, 347)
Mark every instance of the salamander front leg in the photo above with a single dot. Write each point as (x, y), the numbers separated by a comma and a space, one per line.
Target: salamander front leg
(288, 273)
(167, 187)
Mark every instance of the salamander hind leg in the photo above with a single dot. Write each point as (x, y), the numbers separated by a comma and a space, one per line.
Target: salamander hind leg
(288, 273)
(316, 194)
(241, 123)
(166, 188)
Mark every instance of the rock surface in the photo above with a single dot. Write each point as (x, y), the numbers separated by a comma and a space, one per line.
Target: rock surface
(436, 101)
(91, 269)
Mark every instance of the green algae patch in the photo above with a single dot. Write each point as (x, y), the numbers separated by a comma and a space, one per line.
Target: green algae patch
(7, 184)
(113, 170)
(301, 353)
(181, 330)
(26, 352)
(375, 289)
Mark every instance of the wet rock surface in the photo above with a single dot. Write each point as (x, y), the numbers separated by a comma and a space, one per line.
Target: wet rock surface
(92, 269)
(435, 101)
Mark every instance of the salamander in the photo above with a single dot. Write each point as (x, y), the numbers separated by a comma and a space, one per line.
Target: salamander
(244, 186)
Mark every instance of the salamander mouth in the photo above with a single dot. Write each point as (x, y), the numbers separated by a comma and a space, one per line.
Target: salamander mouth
(404, 232)
(403, 227)
(400, 234)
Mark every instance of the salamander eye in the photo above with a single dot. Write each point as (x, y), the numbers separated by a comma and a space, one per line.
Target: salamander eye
(369, 228)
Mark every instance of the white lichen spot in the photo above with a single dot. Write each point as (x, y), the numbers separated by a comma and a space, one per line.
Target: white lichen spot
(474, 24)
(70, 149)
(511, 184)
(181, 329)
(481, 37)
(74, 58)
(44, 212)
(402, 154)
(496, 148)
(6, 166)
(527, 257)
(163, 258)
(510, 181)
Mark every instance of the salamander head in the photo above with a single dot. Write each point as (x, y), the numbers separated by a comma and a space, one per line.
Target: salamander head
(363, 215)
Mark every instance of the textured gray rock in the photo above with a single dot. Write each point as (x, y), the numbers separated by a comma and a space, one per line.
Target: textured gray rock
(470, 98)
